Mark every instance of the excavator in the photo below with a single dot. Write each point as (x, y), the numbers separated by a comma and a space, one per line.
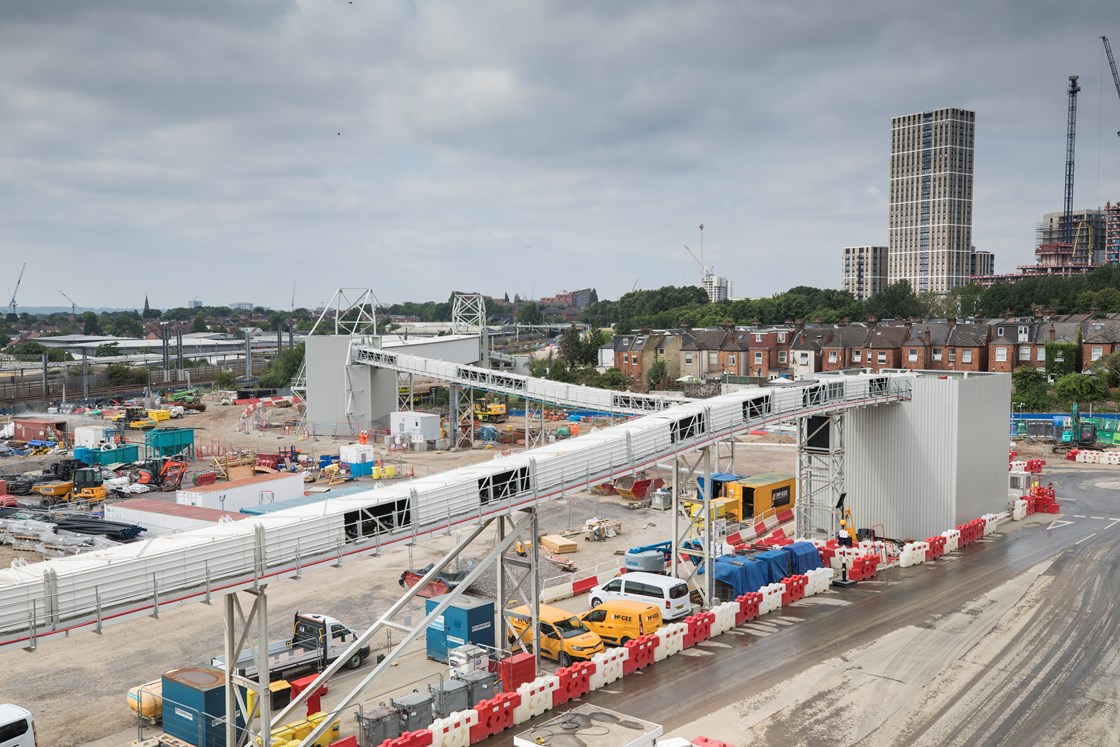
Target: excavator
(1079, 435)
(490, 412)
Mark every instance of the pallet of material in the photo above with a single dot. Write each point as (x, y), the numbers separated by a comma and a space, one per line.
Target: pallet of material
(557, 544)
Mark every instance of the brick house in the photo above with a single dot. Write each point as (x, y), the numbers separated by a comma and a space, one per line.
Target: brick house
(844, 348)
(768, 353)
(635, 353)
(883, 348)
(1101, 337)
(805, 350)
(700, 352)
(733, 351)
(947, 346)
(1022, 341)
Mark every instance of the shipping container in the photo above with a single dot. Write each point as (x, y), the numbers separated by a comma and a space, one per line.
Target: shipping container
(769, 492)
(31, 429)
(94, 435)
(165, 517)
(238, 494)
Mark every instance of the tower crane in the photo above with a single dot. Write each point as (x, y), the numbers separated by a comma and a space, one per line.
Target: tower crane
(73, 306)
(12, 303)
(1071, 138)
(705, 272)
(1112, 64)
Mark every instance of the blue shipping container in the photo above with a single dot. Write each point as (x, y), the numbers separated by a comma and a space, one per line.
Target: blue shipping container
(467, 620)
(194, 706)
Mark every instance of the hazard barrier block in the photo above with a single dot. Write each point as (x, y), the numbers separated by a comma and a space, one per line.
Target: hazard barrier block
(454, 730)
(419, 738)
(795, 588)
(725, 617)
(347, 742)
(608, 667)
(748, 607)
(536, 697)
(936, 547)
(705, 742)
(991, 523)
(641, 654)
(1019, 509)
(575, 682)
(771, 598)
(495, 715)
(699, 628)
(820, 579)
(952, 539)
(672, 641)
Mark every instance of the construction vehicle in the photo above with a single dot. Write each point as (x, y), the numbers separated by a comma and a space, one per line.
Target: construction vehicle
(316, 642)
(1079, 435)
(83, 484)
(490, 412)
(159, 415)
(143, 424)
(184, 396)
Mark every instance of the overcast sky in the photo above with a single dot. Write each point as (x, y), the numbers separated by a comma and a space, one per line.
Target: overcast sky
(224, 149)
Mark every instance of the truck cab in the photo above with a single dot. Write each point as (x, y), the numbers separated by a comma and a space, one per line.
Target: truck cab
(317, 641)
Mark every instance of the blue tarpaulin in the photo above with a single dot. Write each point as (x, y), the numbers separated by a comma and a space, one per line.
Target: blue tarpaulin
(740, 574)
(803, 556)
(777, 565)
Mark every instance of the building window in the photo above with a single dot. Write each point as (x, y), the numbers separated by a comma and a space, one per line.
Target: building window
(966, 356)
(1098, 351)
(1024, 352)
(1041, 355)
(857, 355)
(952, 356)
(937, 354)
(758, 359)
(688, 357)
(731, 359)
(831, 356)
(781, 337)
(713, 359)
(758, 338)
(1001, 355)
(882, 357)
(999, 331)
(781, 356)
(803, 358)
(912, 356)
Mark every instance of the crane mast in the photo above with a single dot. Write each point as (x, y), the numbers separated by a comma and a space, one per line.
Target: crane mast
(1112, 64)
(1071, 138)
(12, 303)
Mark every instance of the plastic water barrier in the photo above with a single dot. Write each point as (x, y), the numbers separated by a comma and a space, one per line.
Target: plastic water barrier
(454, 730)
(608, 666)
(952, 539)
(672, 641)
(771, 598)
(820, 580)
(991, 523)
(725, 617)
(536, 697)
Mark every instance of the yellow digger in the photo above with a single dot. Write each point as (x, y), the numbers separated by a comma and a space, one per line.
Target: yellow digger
(86, 485)
(490, 412)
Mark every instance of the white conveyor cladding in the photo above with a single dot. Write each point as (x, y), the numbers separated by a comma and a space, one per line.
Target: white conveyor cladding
(66, 596)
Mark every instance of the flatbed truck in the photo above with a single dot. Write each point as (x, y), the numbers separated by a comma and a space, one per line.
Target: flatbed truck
(317, 641)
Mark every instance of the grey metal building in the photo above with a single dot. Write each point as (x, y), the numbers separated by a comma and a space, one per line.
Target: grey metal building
(927, 465)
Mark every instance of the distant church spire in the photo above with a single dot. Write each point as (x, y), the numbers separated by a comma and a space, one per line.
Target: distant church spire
(147, 308)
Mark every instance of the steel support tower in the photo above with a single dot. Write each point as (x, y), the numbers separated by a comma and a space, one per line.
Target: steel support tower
(820, 475)
(1071, 141)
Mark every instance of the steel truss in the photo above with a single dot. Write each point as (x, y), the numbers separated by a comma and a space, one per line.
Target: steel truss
(534, 423)
(462, 417)
(468, 315)
(820, 474)
(256, 622)
(525, 524)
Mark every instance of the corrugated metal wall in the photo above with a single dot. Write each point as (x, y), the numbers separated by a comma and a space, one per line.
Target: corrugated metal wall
(921, 467)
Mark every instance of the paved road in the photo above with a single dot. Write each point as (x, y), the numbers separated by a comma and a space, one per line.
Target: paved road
(1011, 641)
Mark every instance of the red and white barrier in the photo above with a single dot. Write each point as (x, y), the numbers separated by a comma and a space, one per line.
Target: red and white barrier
(820, 580)
(608, 666)
(771, 598)
(454, 730)
(672, 641)
(952, 539)
(725, 617)
(536, 697)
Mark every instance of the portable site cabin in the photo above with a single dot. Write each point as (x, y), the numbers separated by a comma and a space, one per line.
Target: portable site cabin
(771, 491)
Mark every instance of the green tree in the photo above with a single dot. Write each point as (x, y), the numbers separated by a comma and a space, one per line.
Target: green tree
(657, 375)
(29, 349)
(531, 314)
(284, 368)
(91, 325)
(123, 324)
(199, 324)
(107, 350)
(119, 374)
(571, 347)
(1030, 389)
(612, 378)
(1077, 387)
(225, 380)
(589, 349)
(896, 301)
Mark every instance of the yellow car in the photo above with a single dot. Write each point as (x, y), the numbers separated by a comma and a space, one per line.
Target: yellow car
(564, 638)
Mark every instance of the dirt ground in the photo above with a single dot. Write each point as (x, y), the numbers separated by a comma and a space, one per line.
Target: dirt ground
(101, 668)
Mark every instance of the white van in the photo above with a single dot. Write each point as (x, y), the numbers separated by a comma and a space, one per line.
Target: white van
(669, 594)
(17, 729)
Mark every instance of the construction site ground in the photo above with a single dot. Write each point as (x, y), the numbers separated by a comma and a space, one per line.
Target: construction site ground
(103, 667)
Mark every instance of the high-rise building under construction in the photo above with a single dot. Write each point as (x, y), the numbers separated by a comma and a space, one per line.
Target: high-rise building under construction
(930, 240)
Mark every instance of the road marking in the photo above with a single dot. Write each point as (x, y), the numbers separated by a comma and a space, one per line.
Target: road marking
(1114, 523)
(696, 652)
(761, 628)
(1058, 523)
(714, 644)
(791, 618)
(1100, 518)
(1080, 516)
(1078, 542)
(731, 632)
(780, 621)
(759, 633)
